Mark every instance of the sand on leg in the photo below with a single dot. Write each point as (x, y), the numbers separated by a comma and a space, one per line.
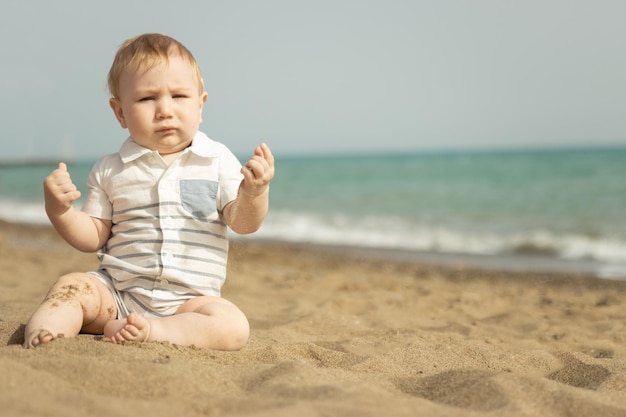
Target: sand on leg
(76, 302)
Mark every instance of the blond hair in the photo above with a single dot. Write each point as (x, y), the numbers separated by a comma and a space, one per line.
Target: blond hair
(145, 51)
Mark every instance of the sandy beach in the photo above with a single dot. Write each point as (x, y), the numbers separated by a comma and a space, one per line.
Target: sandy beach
(332, 335)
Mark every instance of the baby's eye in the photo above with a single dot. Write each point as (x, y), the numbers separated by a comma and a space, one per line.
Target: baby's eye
(148, 98)
(179, 96)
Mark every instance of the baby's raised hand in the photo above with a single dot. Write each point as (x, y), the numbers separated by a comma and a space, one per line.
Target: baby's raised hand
(258, 171)
(59, 191)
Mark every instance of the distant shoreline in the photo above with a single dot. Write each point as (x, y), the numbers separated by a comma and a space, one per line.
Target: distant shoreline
(345, 153)
(505, 263)
(29, 162)
(530, 264)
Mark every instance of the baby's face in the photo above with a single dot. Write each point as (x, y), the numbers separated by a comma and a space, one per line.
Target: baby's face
(161, 107)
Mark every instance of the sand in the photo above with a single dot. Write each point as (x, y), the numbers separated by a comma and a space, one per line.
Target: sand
(332, 335)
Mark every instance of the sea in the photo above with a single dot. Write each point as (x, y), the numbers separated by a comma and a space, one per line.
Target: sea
(532, 210)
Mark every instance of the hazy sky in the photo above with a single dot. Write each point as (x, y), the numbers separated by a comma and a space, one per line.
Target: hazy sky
(328, 76)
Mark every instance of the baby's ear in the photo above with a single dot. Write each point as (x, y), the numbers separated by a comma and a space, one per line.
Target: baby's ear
(203, 99)
(116, 106)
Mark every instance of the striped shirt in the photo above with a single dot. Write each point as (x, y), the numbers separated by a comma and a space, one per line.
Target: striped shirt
(168, 243)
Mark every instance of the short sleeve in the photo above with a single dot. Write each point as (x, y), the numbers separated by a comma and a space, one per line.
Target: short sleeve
(97, 203)
(230, 178)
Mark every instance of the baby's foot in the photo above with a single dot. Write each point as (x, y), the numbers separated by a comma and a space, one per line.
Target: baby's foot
(132, 329)
(38, 337)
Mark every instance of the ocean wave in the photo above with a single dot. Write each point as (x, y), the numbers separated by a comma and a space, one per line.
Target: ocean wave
(397, 233)
(390, 233)
(18, 211)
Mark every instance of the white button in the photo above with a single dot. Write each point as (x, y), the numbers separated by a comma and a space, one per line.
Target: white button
(163, 282)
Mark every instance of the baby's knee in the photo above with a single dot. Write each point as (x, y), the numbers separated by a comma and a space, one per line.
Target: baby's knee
(237, 331)
(240, 334)
(73, 284)
(73, 278)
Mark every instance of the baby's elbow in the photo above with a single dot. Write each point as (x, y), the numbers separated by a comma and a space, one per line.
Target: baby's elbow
(244, 226)
(245, 229)
(83, 246)
(87, 248)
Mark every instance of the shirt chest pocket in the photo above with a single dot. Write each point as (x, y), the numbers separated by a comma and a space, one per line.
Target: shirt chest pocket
(198, 197)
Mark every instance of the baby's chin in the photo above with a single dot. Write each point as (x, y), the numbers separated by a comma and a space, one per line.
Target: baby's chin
(167, 145)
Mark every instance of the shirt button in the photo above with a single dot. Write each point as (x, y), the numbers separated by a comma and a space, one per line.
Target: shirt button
(163, 282)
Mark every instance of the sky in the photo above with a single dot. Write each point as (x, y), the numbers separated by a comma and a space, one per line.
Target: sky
(328, 77)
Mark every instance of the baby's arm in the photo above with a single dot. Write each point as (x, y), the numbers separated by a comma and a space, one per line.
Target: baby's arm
(80, 230)
(246, 213)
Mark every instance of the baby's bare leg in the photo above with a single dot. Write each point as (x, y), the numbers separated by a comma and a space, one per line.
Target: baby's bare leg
(208, 322)
(75, 302)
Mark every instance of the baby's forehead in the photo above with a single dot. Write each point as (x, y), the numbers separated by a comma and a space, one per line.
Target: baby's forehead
(144, 66)
(138, 70)
(146, 62)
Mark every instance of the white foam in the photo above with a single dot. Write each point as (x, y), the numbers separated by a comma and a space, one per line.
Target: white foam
(22, 212)
(395, 233)
(385, 232)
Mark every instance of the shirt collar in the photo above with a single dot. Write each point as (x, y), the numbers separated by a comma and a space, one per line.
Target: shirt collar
(201, 145)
